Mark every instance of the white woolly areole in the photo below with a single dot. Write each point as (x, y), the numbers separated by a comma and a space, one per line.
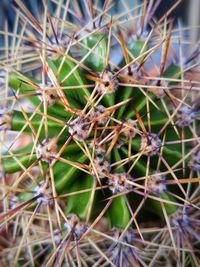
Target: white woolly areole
(156, 182)
(102, 167)
(178, 218)
(51, 96)
(45, 191)
(13, 202)
(109, 83)
(185, 116)
(46, 150)
(74, 224)
(120, 182)
(194, 162)
(79, 128)
(98, 114)
(150, 144)
(130, 129)
(99, 149)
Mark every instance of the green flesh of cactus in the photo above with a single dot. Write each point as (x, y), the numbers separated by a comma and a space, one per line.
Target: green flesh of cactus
(69, 178)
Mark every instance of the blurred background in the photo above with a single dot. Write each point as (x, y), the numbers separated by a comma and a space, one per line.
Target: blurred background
(188, 11)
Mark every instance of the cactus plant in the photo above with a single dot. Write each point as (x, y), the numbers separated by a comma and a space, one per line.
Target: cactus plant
(103, 164)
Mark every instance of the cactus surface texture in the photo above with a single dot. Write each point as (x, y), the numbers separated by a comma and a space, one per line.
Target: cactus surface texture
(100, 137)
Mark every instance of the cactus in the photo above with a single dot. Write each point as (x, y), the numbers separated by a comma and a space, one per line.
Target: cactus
(99, 138)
